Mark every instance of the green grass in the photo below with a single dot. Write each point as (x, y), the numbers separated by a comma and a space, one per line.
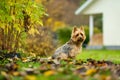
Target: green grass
(111, 55)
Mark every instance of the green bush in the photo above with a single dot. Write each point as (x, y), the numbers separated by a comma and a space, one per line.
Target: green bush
(87, 35)
(64, 34)
(97, 30)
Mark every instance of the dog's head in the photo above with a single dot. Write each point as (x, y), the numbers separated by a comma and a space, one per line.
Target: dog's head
(78, 34)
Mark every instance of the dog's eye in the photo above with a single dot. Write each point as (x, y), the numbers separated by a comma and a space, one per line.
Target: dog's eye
(81, 34)
(77, 35)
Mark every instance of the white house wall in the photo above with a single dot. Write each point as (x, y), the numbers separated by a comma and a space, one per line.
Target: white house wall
(111, 19)
(111, 23)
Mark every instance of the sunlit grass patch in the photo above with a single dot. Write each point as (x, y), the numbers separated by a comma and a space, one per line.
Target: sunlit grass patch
(111, 55)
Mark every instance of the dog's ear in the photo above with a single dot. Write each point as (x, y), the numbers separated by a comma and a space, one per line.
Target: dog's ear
(82, 28)
(74, 29)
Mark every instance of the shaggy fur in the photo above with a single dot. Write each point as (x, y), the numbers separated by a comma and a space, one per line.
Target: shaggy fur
(73, 46)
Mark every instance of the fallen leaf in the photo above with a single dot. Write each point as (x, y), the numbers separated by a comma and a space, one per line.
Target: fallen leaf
(26, 59)
(49, 73)
(5, 75)
(15, 73)
(30, 77)
(90, 71)
(104, 77)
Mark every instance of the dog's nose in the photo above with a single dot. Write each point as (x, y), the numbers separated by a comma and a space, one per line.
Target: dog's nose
(81, 38)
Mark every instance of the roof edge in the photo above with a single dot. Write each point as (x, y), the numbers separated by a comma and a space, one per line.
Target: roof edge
(80, 9)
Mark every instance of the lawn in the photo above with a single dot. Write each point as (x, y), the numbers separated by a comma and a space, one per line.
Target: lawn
(110, 55)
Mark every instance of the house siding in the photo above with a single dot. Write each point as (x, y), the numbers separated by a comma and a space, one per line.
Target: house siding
(111, 23)
(111, 19)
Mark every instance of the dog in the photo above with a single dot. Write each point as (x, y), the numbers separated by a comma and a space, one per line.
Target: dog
(71, 48)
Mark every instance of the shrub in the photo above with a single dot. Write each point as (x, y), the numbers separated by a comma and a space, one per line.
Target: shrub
(97, 30)
(17, 17)
(40, 44)
(87, 35)
(63, 34)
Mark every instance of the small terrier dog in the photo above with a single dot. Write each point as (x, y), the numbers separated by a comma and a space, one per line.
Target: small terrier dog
(73, 46)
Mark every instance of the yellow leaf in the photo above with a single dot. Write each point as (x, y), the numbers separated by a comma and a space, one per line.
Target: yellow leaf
(90, 71)
(15, 73)
(32, 31)
(30, 77)
(104, 77)
(13, 17)
(3, 73)
(40, 22)
(49, 73)
(24, 60)
(36, 31)
(17, 27)
(2, 25)
(49, 20)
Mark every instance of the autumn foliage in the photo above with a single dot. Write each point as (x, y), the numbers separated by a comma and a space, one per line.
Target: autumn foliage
(17, 19)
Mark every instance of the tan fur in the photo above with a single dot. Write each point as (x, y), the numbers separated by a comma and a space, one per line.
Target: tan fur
(73, 46)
